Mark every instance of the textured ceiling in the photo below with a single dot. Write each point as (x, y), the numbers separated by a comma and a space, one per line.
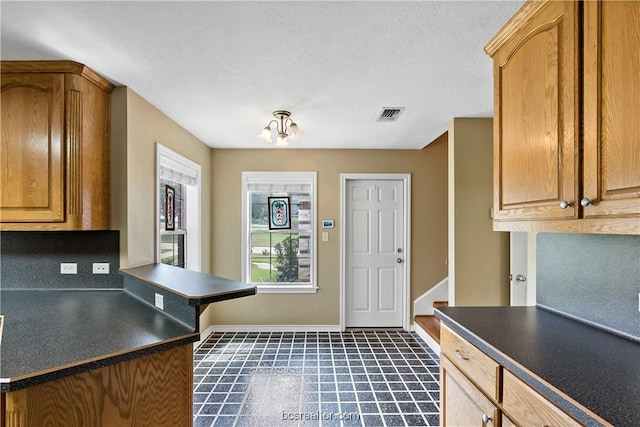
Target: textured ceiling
(220, 68)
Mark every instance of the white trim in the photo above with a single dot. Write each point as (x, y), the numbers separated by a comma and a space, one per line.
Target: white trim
(406, 288)
(427, 339)
(252, 177)
(424, 303)
(293, 289)
(204, 335)
(275, 328)
(193, 199)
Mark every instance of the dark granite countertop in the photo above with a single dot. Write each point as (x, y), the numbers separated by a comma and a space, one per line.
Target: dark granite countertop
(197, 288)
(597, 369)
(48, 334)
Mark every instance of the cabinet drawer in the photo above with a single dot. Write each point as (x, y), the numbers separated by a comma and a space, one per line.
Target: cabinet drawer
(471, 361)
(528, 407)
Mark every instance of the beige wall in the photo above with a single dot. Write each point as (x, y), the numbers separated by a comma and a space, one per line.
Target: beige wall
(428, 169)
(478, 256)
(136, 127)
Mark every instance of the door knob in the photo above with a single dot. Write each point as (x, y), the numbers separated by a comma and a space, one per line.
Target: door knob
(399, 260)
(521, 278)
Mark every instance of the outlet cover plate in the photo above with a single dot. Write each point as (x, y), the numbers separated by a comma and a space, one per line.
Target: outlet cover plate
(100, 268)
(159, 301)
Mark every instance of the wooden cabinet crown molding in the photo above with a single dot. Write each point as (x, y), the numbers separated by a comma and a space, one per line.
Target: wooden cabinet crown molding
(514, 24)
(57, 67)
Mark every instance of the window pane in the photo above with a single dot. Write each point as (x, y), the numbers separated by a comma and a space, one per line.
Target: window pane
(172, 246)
(276, 257)
(172, 249)
(280, 256)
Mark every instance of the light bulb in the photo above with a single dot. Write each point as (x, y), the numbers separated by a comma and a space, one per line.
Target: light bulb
(265, 135)
(281, 142)
(294, 131)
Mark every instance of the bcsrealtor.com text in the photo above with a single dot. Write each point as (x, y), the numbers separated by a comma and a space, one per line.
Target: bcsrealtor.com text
(318, 415)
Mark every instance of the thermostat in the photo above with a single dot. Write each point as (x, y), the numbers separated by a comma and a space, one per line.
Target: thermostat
(327, 223)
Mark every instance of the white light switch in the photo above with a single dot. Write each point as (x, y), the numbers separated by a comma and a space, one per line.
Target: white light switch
(325, 236)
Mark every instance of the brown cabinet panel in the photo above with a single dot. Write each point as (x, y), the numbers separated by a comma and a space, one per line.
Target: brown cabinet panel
(32, 148)
(611, 108)
(536, 147)
(471, 361)
(462, 403)
(54, 156)
(528, 408)
(153, 390)
(566, 141)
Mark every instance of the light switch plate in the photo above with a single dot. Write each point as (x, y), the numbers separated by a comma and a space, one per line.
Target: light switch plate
(325, 236)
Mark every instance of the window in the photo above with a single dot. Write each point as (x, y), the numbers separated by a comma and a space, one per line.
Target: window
(281, 259)
(178, 186)
(172, 239)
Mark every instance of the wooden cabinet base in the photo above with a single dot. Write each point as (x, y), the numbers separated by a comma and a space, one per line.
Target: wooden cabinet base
(154, 390)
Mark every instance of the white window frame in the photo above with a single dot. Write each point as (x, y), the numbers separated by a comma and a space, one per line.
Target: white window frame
(183, 169)
(252, 177)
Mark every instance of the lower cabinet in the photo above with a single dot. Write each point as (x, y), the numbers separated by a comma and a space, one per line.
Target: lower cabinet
(462, 403)
(475, 390)
(152, 390)
(527, 407)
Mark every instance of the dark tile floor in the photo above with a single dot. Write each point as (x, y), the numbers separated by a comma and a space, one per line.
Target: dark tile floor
(355, 378)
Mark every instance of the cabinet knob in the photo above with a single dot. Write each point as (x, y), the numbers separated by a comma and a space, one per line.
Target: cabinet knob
(564, 204)
(486, 418)
(586, 202)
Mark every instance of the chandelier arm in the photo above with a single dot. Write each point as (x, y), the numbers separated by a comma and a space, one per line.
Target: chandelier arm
(287, 124)
(273, 121)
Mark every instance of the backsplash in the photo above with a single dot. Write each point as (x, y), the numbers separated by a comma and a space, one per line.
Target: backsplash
(31, 259)
(592, 277)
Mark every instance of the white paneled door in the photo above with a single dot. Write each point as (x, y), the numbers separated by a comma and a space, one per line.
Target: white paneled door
(518, 267)
(374, 253)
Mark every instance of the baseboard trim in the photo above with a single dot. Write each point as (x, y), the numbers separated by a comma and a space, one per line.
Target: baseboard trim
(203, 336)
(272, 328)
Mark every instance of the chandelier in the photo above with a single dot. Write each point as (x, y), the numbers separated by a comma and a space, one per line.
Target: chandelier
(284, 128)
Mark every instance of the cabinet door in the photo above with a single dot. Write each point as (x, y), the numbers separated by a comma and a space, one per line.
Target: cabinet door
(32, 148)
(536, 117)
(528, 408)
(611, 109)
(462, 403)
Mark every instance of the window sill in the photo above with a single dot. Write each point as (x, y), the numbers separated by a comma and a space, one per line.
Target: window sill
(292, 289)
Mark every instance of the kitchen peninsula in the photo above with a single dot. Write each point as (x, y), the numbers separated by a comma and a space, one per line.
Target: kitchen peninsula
(102, 357)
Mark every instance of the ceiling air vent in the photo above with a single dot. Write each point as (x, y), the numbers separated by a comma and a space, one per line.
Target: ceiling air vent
(389, 114)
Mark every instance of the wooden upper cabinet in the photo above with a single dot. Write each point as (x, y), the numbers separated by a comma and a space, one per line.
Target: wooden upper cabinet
(611, 109)
(536, 123)
(566, 138)
(54, 152)
(32, 148)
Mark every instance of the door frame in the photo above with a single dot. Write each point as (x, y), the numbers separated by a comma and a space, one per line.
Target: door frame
(406, 290)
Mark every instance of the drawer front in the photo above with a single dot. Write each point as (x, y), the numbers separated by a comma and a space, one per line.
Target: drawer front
(528, 407)
(476, 365)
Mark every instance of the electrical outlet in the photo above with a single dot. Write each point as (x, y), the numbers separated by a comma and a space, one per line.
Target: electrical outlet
(160, 301)
(100, 268)
(68, 268)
